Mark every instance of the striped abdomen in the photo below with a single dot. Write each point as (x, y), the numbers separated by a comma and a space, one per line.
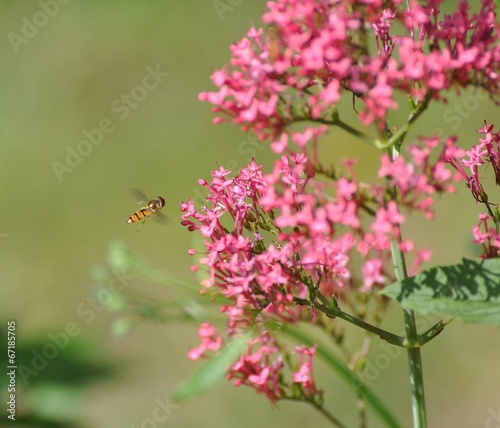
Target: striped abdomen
(138, 215)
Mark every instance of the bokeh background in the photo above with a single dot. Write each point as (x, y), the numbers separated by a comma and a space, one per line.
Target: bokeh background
(64, 69)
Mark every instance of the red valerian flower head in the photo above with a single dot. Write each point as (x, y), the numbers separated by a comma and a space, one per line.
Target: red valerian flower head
(314, 51)
(488, 238)
(486, 152)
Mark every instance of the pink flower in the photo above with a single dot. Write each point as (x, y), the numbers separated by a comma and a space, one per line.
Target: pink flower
(261, 378)
(210, 340)
(305, 375)
(373, 273)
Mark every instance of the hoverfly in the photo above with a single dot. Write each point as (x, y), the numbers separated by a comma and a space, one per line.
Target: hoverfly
(149, 207)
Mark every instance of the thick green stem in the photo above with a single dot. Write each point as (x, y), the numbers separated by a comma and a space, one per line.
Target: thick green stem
(413, 340)
(413, 349)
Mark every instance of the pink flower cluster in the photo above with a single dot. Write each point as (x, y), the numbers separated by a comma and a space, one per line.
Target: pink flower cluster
(261, 367)
(487, 152)
(417, 181)
(314, 50)
(259, 280)
(489, 238)
(275, 241)
(276, 245)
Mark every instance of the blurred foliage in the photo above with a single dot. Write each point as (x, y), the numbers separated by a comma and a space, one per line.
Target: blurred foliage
(50, 387)
(133, 305)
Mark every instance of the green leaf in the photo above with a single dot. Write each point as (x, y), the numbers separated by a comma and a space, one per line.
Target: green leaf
(469, 290)
(214, 371)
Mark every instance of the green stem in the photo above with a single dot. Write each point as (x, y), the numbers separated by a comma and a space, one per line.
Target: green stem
(394, 140)
(413, 340)
(337, 313)
(322, 410)
(413, 349)
(335, 121)
(399, 136)
(346, 374)
(121, 259)
(327, 414)
(433, 332)
(353, 131)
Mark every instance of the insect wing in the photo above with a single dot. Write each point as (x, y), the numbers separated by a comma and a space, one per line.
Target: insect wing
(161, 218)
(139, 197)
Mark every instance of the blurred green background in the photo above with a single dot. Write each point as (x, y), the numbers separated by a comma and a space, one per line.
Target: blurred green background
(64, 69)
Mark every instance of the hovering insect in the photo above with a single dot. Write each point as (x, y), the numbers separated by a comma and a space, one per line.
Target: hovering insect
(150, 206)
